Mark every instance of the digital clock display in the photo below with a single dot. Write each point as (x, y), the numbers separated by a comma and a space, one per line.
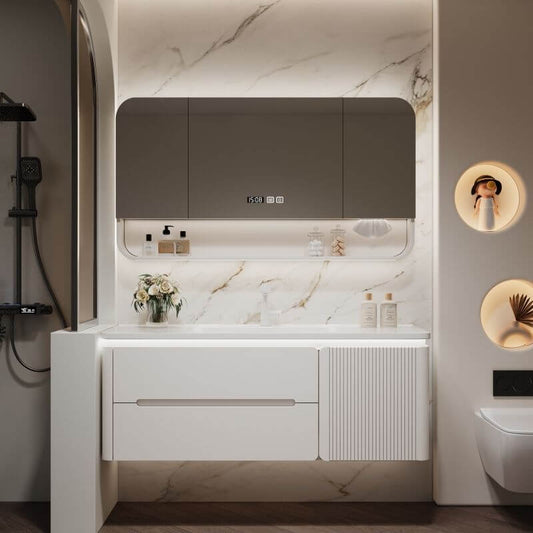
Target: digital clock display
(256, 199)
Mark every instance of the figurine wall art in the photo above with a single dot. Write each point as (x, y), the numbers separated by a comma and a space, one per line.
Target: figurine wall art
(486, 189)
(488, 196)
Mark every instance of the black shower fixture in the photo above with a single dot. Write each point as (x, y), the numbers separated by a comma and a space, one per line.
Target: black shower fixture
(31, 175)
(28, 175)
(11, 111)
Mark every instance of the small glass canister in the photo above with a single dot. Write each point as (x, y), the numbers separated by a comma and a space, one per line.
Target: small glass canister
(315, 246)
(338, 241)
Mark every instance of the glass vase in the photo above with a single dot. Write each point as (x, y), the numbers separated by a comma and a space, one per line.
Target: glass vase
(157, 316)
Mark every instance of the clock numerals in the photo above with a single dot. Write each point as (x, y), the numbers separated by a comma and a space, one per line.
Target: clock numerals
(255, 199)
(265, 199)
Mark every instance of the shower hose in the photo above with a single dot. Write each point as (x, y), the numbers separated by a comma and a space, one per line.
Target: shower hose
(52, 295)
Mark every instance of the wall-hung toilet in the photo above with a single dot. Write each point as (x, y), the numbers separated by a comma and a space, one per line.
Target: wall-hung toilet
(505, 442)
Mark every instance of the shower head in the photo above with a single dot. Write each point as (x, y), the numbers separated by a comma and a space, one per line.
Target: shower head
(11, 111)
(31, 175)
(16, 113)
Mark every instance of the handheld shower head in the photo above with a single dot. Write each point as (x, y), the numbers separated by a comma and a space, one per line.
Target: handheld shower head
(31, 175)
(11, 111)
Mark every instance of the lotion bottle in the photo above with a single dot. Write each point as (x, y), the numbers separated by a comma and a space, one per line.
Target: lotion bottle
(183, 245)
(369, 312)
(166, 245)
(388, 313)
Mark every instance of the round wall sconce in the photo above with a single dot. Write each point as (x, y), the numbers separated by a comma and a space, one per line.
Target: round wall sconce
(507, 314)
(489, 196)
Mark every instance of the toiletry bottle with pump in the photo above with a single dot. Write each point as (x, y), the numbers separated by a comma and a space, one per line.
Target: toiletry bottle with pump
(183, 245)
(369, 312)
(388, 312)
(148, 246)
(166, 245)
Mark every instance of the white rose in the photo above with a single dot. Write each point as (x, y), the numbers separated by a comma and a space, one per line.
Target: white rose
(165, 287)
(142, 296)
(153, 290)
(175, 298)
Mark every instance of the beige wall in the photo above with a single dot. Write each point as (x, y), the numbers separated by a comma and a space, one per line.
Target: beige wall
(485, 113)
(34, 69)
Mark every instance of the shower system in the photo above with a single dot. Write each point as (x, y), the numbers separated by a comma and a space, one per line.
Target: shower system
(28, 175)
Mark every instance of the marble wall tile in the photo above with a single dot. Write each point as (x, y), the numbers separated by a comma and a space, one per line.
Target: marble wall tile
(285, 48)
(274, 481)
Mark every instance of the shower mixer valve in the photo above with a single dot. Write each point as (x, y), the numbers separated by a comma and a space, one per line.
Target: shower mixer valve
(8, 309)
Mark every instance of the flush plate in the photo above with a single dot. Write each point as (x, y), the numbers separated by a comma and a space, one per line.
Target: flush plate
(512, 383)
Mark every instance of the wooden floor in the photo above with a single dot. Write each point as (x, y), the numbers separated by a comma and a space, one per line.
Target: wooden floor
(285, 517)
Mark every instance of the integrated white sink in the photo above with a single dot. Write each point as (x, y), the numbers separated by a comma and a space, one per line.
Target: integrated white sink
(247, 331)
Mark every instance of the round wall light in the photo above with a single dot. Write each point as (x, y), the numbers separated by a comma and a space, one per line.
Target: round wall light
(489, 196)
(507, 314)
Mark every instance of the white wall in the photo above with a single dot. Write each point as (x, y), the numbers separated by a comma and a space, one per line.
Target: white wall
(284, 48)
(485, 113)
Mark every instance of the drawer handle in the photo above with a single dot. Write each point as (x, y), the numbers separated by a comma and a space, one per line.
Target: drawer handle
(215, 403)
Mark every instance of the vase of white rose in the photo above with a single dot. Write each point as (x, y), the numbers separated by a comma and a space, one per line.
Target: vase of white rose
(159, 295)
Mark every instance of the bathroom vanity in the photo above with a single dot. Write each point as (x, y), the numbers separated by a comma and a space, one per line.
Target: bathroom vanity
(282, 393)
(218, 393)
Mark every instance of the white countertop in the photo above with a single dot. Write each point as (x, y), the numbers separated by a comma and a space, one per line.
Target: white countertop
(245, 331)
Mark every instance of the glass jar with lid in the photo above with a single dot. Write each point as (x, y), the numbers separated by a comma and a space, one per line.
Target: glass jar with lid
(315, 246)
(338, 241)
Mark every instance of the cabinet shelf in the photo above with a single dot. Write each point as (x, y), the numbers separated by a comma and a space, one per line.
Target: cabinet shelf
(261, 240)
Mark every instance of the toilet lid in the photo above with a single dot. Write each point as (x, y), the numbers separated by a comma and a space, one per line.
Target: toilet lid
(510, 419)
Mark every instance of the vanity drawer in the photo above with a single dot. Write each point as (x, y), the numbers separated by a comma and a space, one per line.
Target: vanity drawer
(215, 373)
(222, 433)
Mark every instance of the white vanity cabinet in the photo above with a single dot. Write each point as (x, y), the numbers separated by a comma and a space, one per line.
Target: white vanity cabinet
(216, 396)
(210, 403)
(222, 392)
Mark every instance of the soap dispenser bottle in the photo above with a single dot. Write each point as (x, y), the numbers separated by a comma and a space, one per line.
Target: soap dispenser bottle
(369, 312)
(148, 246)
(388, 315)
(166, 245)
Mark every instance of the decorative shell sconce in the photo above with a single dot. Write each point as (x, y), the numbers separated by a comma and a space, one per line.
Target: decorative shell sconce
(507, 314)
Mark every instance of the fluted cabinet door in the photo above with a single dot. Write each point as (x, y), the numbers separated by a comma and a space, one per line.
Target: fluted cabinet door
(374, 403)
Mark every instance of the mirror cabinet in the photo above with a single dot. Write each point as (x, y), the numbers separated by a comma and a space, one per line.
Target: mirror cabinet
(265, 158)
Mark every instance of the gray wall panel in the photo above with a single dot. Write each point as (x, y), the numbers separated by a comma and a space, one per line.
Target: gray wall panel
(35, 70)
